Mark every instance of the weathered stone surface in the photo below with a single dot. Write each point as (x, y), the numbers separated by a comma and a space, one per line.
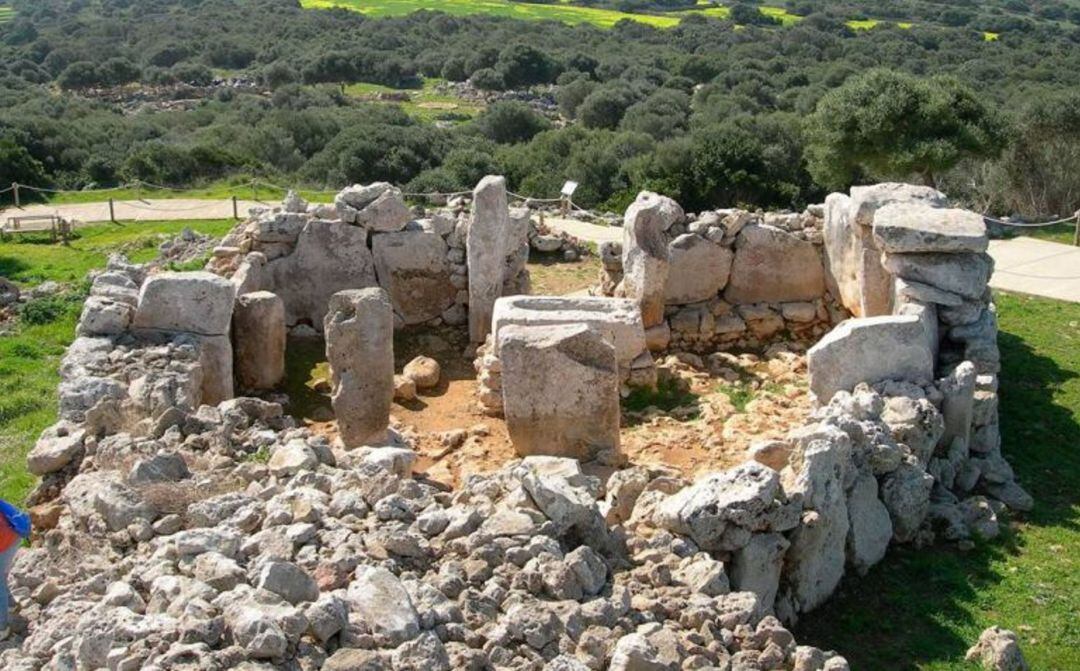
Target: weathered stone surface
(216, 360)
(964, 274)
(359, 330)
(870, 527)
(645, 253)
(912, 227)
(258, 335)
(485, 246)
(756, 567)
(560, 390)
(196, 302)
(377, 207)
(842, 253)
(412, 267)
(618, 319)
(698, 269)
(867, 200)
(815, 561)
(998, 650)
(869, 350)
(103, 316)
(329, 257)
(378, 598)
(773, 266)
(958, 403)
(55, 449)
(424, 371)
(906, 494)
(721, 511)
(288, 581)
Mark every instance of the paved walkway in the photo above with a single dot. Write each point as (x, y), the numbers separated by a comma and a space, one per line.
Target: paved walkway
(1036, 267)
(584, 230)
(131, 210)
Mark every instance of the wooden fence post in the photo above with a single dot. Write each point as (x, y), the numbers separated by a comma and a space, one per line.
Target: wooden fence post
(15, 190)
(112, 211)
(1076, 231)
(235, 210)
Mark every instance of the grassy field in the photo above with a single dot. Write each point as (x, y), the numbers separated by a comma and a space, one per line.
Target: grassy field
(424, 103)
(237, 186)
(30, 353)
(6, 14)
(921, 609)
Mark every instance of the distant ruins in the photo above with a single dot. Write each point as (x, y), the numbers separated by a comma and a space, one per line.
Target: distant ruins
(183, 526)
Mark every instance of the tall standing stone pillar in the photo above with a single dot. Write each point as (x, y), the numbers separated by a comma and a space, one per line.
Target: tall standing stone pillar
(258, 340)
(359, 329)
(645, 253)
(485, 246)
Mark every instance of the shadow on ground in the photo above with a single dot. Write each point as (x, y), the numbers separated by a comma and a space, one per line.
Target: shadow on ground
(922, 609)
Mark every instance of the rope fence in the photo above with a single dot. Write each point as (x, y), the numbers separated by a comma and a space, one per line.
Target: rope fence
(565, 202)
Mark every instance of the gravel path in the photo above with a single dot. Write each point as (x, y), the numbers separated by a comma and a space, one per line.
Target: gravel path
(130, 210)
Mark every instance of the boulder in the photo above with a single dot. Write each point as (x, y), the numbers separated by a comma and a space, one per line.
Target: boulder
(424, 371)
(958, 403)
(774, 266)
(55, 449)
(722, 511)
(382, 603)
(412, 267)
(196, 302)
(914, 227)
(869, 350)
(645, 253)
(359, 329)
(756, 567)
(258, 335)
(906, 494)
(560, 390)
(104, 316)
(216, 361)
(618, 319)
(486, 248)
(998, 650)
(698, 269)
(870, 528)
(288, 581)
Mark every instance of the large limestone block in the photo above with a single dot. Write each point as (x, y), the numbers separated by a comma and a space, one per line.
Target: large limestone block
(645, 252)
(359, 330)
(756, 568)
(617, 319)
(259, 341)
(560, 390)
(842, 252)
(329, 257)
(870, 526)
(377, 207)
(965, 274)
(871, 349)
(773, 266)
(485, 249)
(958, 403)
(867, 200)
(379, 600)
(699, 269)
(195, 302)
(904, 228)
(412, 267)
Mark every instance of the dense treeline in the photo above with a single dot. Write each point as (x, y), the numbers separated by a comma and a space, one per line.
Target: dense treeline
(709, 112)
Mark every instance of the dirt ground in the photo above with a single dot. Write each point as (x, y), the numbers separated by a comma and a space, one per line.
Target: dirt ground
(705, 413)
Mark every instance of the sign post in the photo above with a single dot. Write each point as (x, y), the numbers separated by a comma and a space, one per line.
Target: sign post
(568, 190)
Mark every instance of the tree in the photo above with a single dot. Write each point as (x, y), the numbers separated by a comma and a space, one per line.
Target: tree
(17, 165)
(488, 79)
(523, 65)
(885, 124)
(604, 107)
(508, 122)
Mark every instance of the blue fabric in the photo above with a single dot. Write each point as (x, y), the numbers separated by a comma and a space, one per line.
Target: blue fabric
(6, 558)
(17, 519)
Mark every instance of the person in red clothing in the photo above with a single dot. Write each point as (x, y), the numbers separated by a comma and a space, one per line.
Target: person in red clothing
(14, 527)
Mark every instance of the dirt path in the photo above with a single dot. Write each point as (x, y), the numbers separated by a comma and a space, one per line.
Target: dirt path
(130, 210)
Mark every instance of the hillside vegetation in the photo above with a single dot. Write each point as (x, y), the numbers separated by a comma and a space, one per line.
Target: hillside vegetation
(716, 109)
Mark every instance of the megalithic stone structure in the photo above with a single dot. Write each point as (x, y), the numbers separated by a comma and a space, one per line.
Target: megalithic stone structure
(645, 253)
(359, 329)
(485, 246)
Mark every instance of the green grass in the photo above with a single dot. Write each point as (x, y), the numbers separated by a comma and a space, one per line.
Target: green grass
(6, 14)
(30, 353)
(223, 190)
(921, 609)
(669, 394)
(424, 103)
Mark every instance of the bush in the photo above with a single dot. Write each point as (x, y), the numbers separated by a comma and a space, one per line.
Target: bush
(47, 309)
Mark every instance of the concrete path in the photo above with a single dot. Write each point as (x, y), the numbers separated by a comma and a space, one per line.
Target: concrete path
(130, 210)
(584, 230)
(1036, 267)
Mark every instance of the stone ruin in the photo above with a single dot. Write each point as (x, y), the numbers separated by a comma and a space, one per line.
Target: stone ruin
(181, 526)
